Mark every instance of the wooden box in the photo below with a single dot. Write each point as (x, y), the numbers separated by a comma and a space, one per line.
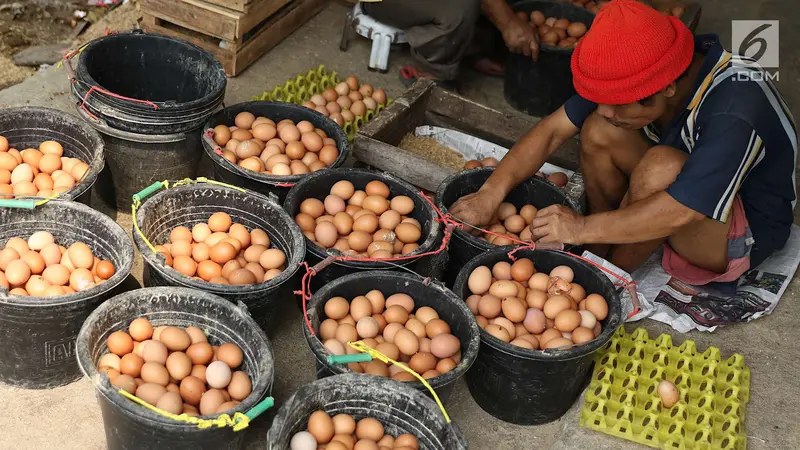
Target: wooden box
(236, 38)
(427, 104)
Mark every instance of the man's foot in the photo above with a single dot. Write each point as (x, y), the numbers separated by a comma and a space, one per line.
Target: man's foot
(488, 66)
(410, 74)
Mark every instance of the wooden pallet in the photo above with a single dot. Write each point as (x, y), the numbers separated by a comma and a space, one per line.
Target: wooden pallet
(237, 54)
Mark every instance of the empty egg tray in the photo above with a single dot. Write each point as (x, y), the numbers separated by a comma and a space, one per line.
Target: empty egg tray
(622, 398)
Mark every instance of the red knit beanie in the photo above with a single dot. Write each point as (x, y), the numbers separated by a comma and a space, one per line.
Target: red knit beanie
(631, 52)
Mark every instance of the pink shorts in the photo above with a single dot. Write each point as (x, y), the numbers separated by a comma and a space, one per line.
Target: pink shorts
(740, 243)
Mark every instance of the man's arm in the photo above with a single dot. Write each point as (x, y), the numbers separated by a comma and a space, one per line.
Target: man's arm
(528, 155)
(518, 35)
(523, 160)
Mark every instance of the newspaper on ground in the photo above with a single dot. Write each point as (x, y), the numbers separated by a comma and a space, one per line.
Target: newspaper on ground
(472, 147)
(666, 299)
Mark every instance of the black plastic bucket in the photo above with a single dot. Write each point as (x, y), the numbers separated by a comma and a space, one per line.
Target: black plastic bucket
(195, 203)
(136, 161)
(28, 126)
(399, 408)
(451, 309)
(540, 87)
(131, 426)
(464, 246)
(161, 85)
(38, 334)
(318, 185)
(264, 183)
(532, 387)
(152, 95)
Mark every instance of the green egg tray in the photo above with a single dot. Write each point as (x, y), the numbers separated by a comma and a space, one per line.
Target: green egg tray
(622, 398)
(305, 85)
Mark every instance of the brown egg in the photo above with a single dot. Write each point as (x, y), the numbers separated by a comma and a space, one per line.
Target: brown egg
(359, 240)
(210, 401)
(155, 351)
(321, 426)
(219, 222)
(408, 233)
(192, 389)
(155, 373)
(230, 354)
(328, 155)
(179, 365)
(597, 305)
(140, 329)
(105, 270)
(369, 428)
(313, 207)
(242, 276)
(185, 265)
(240, 386)
(151, 392)
(120, 343)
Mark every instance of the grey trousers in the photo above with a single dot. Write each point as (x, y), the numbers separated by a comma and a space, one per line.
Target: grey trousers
(438, 31)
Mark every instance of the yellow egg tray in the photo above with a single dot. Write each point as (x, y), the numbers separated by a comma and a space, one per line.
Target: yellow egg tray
(622, 398)
(305, 85)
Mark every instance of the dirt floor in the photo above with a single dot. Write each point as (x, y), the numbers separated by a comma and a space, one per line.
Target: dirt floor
(26, 23)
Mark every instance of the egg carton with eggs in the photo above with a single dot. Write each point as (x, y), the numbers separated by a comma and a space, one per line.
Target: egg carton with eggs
(622, 399)
(304, 86)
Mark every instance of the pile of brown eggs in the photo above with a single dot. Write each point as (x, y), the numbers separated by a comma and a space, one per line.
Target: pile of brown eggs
(485, 162)
(223, 252)
(394, 327)
(175, 369)
(368, 223)
(285, 148)
(41, 172)
(39, 267)
(534, 310)
(343, 432)
(347, 100)
(554, 31)
(509, 223)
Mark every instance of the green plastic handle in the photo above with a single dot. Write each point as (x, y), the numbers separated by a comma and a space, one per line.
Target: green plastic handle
(260, 408)
(18, 203)
(148, 191)
(347, 359)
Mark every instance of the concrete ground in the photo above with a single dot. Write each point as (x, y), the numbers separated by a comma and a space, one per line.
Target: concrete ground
(69, 418)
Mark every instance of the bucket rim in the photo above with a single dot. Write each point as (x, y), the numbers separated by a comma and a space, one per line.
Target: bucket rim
(102, 385)
(155, 262)
(469, 352)
(341, 172)
(342, 143)
(97, 145)
(84, 76)
(96, 291)
(474, 241)
(550, 355)
(352, 379)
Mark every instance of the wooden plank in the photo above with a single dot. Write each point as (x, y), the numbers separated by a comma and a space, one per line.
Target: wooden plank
(403, 115)
(153, 24)
(259, 11)
(236, 5)
(421, 172)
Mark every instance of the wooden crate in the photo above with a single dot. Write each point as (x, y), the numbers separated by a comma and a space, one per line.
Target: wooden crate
(427, 104)
(210, 19)
(252, 42)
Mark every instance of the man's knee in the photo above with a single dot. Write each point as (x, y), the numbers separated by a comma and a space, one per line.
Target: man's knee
(453, 15)
(598, 136)
(656, 171)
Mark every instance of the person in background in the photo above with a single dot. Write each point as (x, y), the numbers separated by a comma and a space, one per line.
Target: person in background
(682, 144)
(440, 33)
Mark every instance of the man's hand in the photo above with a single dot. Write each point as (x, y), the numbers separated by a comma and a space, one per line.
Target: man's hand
(475, 209)
(521, 38)
(559, 224)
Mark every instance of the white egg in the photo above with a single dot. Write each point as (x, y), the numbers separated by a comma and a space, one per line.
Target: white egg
(303, 441)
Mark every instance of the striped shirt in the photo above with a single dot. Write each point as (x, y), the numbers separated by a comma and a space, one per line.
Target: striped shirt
(741, 139)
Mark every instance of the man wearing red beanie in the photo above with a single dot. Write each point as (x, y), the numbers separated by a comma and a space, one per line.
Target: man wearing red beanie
(682, 144)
